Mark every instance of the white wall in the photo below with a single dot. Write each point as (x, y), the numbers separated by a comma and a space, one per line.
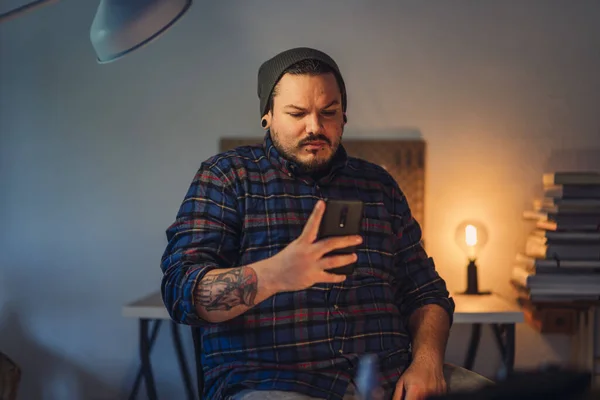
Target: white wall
(95, 159)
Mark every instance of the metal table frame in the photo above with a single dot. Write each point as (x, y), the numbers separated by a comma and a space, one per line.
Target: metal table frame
(146, 341)
(505, 340)
(500, 314)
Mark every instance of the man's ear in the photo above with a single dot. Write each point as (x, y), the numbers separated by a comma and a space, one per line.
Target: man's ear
(345, 120)
(265, 122)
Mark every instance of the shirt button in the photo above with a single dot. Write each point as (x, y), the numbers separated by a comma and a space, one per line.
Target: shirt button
(341, 351)
(290, 174)
(335, 306)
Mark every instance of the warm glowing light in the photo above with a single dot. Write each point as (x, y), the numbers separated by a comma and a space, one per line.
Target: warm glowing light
(470, 235)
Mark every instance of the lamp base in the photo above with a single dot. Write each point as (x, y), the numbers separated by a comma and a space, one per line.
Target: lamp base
(487, 292)
(472, 281)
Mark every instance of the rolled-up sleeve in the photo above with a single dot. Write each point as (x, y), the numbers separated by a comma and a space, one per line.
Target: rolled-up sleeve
(204, 236)
(419, 283)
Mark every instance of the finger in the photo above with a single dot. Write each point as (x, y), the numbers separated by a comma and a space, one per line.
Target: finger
(332, 262)
(311, 229)
(399, 390)
(441, 387)
(332, 278)
(338, 242)
(414, 394)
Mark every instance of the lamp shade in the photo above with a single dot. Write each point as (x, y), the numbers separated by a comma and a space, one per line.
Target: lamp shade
(122, 26)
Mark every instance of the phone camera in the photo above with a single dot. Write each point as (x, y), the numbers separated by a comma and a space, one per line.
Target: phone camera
(343, 215)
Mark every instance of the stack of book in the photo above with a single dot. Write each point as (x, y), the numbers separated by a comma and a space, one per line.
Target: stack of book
(561, 258)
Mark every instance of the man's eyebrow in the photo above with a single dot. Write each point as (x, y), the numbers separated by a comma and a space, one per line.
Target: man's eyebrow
(296, 107)
(333, 103)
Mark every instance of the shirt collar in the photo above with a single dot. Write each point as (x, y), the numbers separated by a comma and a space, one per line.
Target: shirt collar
(290, 168)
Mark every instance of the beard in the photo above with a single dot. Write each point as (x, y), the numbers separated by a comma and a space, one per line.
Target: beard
(291, 151)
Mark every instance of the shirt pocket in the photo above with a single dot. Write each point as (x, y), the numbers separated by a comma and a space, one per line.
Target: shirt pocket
(375, 254)
(267, 233)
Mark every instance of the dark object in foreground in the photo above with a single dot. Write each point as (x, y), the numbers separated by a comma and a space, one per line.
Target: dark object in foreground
(10, 378)
(548, 384)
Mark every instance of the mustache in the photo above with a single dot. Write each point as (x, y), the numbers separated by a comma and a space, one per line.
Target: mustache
(315, 138)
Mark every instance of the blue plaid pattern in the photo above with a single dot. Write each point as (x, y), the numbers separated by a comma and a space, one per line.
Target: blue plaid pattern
(247, 204)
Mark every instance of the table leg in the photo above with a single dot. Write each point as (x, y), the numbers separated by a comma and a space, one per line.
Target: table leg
(145, 348)
(144, 334)
(198, 359)
(185, 372)
(473, 345)
(582, 341)
(509, 329)
(505, 338)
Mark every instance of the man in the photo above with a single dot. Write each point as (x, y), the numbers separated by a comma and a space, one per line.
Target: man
(244, 263)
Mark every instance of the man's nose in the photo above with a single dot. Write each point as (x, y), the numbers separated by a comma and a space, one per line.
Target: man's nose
(314, 124)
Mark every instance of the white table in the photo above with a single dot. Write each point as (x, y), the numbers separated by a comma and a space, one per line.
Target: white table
(470, 309)
(499, 313)
(151, 310)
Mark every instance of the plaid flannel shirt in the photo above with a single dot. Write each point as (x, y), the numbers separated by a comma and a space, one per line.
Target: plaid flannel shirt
(247, 204)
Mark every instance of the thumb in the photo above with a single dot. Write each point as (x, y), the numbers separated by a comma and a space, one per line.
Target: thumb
(311, 229)
(399, 391)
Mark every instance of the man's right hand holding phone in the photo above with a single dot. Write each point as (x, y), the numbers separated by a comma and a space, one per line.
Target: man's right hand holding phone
(304, 262)
(224, 294)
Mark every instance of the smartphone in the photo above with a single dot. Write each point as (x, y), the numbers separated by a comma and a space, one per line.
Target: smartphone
(341, 218)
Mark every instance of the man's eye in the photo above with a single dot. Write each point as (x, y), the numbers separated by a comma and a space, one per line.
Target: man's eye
(296, 115)
(330, 112)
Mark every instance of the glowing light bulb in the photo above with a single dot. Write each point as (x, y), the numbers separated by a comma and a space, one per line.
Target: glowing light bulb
(471, 237)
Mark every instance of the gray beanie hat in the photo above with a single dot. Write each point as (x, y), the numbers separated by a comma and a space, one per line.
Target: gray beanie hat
(271, 71)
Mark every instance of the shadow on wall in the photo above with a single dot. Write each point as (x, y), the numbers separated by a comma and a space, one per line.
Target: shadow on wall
(401, 132)
(573, 160)
(576, 160)
(45, 374)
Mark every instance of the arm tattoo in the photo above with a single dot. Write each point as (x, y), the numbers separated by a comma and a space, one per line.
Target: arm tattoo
(228, 289)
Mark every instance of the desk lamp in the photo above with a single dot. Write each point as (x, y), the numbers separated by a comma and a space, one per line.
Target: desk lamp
(122, 26)
(471, 237)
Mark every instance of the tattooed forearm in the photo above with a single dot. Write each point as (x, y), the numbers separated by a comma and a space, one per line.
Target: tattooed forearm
(228, 289)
